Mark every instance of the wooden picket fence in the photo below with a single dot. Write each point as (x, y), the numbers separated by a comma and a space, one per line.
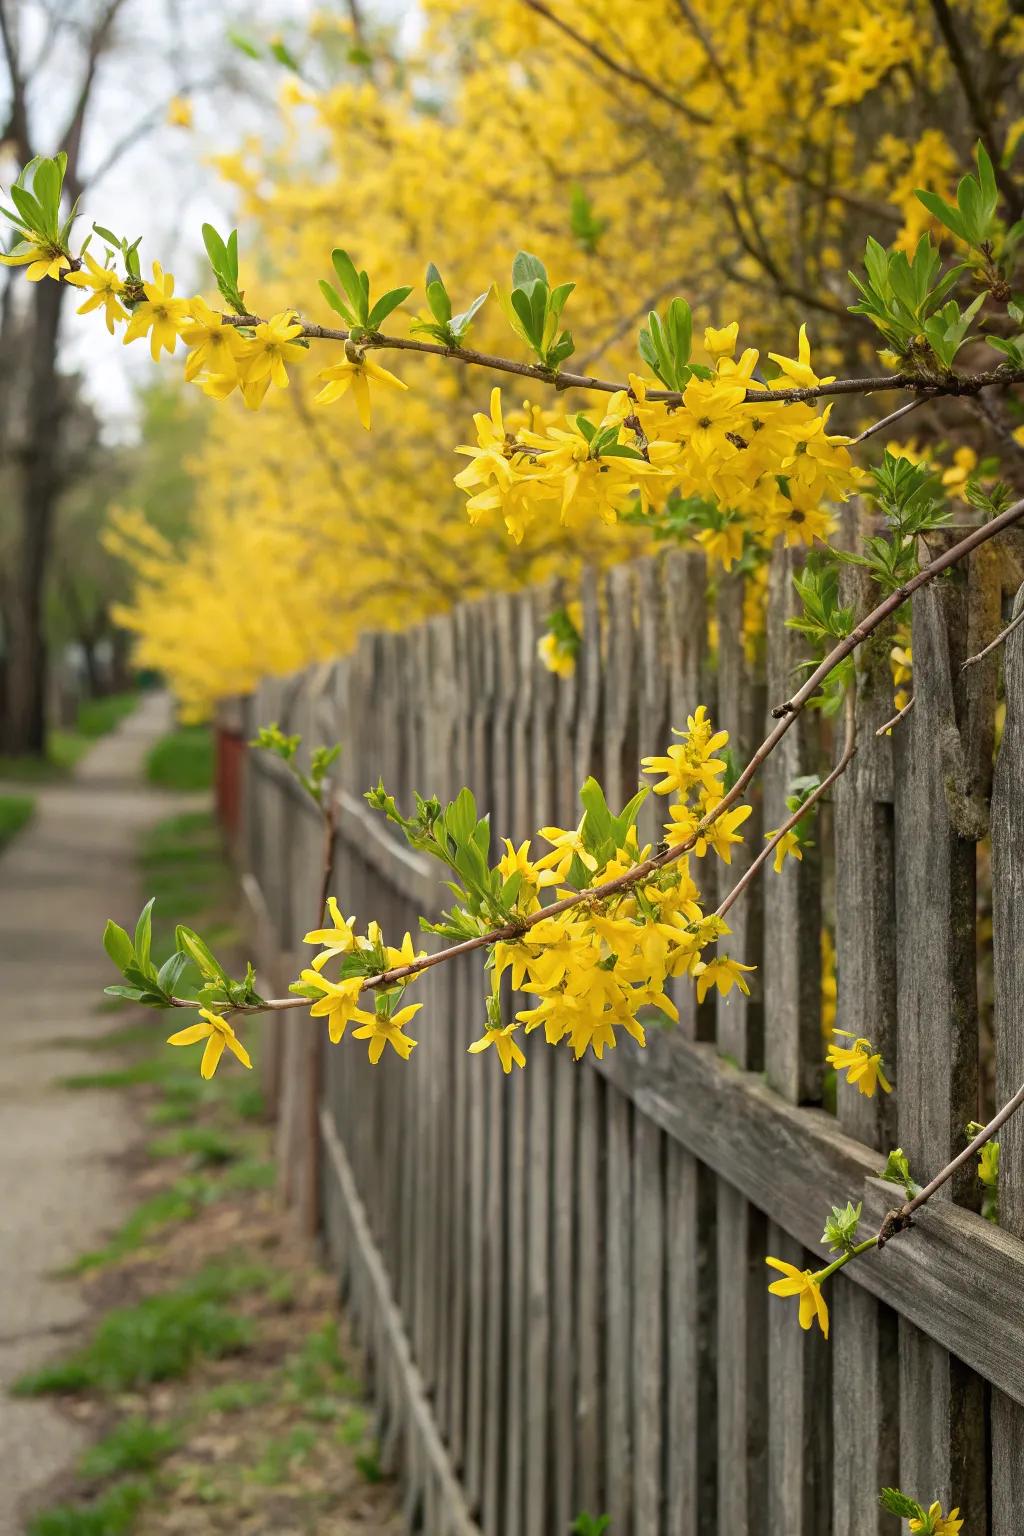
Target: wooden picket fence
(558, 1278)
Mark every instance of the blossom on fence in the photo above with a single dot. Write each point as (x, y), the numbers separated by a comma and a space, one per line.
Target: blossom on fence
(862, 1065)
(807, 1287)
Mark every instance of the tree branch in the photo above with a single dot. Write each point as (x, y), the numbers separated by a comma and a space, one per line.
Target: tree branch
(786, 715)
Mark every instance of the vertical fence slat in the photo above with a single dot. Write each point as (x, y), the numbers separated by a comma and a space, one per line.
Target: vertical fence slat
(799, 1389)
(483, 688)
(1008, 967)
(538, 1414)
(497, 1108)
(864, 1338)
(740, 1229)
(792, 907)
(618, 740)
(942, 1452)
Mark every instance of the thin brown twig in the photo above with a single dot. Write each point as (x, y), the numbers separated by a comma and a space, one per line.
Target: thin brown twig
(1000, 639)
(985, 1134)
(953, 384)
(623, 71)
(785, 715)
(901, 715)
(887, 421)
(849, 750)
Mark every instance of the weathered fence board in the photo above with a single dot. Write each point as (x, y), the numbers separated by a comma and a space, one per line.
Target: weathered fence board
(558, 1281)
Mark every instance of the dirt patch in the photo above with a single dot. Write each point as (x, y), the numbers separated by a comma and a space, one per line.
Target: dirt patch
(215, 1380)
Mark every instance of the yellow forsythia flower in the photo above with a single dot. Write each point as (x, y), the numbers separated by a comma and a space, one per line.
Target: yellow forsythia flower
(381, 1030)
(935, 1523)
(179, 112)
(801, 1283)
(863, 1067)
(504, 1043)
(217, 1033)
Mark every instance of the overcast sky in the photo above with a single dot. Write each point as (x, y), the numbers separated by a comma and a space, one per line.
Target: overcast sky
(162, 188)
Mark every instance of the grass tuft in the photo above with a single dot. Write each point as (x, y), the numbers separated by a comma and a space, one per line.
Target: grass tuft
(113, 1514)
(15, 811)
(182, 760)
(135, 1445)
(158, 1339)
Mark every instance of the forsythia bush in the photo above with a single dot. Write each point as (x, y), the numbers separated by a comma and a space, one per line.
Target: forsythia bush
(310, 532)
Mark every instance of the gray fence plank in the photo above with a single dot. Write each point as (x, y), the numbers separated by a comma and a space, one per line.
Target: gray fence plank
(1008, 966)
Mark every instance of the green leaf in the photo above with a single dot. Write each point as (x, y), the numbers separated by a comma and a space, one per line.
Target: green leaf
(897, 1503)
(284, 56)
(461, 323)
(351, 281)
(108, 236)
(143, 934)
(385, 305)
(527, 269)
(524, 312)
(170, 972)
(943, 211)
(29, 209)
(598, 826)
(336, 303)
(118, 946)
(130, 994)
(437, 296)
(215, 249)
(243, 44)
(199, 953)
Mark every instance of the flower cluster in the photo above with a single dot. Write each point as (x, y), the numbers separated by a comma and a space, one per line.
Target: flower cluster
(599, 960)
(223, 355)
(361, 956)
(766, 470)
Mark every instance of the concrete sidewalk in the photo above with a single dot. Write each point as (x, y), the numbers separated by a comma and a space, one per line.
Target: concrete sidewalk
(70, 869)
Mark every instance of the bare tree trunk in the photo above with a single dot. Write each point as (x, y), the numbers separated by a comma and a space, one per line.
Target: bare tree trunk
(37, 479)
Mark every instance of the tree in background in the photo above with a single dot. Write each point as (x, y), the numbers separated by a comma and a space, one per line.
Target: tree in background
(55, 61)
(641, 152)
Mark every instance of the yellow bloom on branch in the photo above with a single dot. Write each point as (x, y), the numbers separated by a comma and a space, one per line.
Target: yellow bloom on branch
(504, 1043)
(217, 1033)
(863, 1067)
(106, 289)
(802, 1283)
(41, 260)
(381, 1029)
(215, 348)
(355, 374)
(179, 112)
(935, 1523)
(338, 1004)
(160, 316)
(721, 835)
(336, 940)
(723, 973)
(788, 846)
(273, 345)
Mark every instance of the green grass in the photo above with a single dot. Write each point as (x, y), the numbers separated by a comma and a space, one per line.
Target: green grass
(183, 866)
(64, 748)
(113, 1514)
(183, 759)
(135, 1445)
(280, 1455)
(234, 1397)
(167, 1208)
(158, 1339)
(207, 1147)
(97, 717)
(15, 811)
